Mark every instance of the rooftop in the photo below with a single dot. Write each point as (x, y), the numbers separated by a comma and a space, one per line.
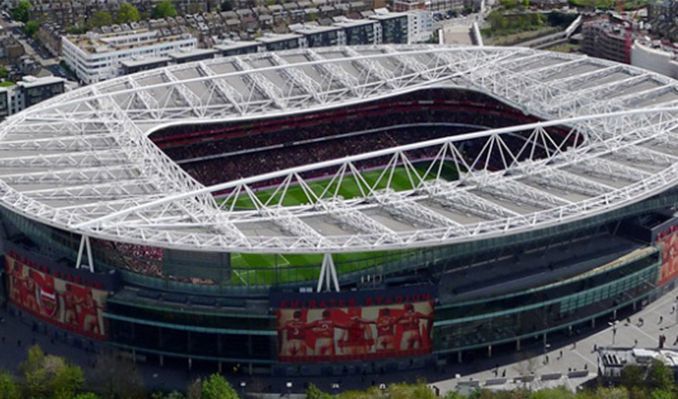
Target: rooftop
(132, 193)
(96, 43)
(621, 357)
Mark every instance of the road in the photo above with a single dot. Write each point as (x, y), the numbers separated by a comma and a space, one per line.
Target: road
(32, 48)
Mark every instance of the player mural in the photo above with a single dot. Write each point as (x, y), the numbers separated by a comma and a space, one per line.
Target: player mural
(66, 304)
(668, 244)
(322, 329)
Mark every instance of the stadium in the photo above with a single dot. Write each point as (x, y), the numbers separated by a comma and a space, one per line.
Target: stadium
(343, 210)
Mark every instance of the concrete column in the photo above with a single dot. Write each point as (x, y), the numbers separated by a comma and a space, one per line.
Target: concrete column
(219, 367)
(593, 323)
(489, 351)
(518, 345)
(190, 364)
(162, 361)
(459, 357)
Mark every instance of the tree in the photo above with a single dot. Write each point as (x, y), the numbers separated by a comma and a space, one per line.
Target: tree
(164, 9)
(194, 390)
(117, 378)
(33, 371)
(100, 18)
(194, 8)
(171, 395)
(554, 393)
(662, 394)
(21, 12)
(127, 13)
(8, 387)
(216, 387)
(4, 72)
(76, 29)
(660, 376)
(86, 395)
(50, 376)
(632, 376)
(226, 5)
(66, 380)
(313, 392)
(31, 27)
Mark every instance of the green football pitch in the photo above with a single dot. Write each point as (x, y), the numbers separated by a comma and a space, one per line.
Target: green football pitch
(258, 269)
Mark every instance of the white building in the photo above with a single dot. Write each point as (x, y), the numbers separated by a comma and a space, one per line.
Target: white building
(611, 361)
(95, 57)
(429, 5)
(655, 57)
(420, 26)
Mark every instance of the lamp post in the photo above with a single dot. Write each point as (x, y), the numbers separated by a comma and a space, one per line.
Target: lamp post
(613, 324)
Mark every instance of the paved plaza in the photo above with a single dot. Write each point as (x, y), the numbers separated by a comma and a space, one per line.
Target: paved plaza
(642, 330)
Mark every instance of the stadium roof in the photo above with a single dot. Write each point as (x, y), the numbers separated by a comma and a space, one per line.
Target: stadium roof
(83, 161)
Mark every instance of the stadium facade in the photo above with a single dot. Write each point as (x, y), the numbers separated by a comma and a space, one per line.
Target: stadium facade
(343, 210)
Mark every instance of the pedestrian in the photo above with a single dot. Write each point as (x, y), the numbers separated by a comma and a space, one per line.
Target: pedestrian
(586, 366)
(676, 341)
(560, 355)
(503, 373)
(635, 342)
(661, 318)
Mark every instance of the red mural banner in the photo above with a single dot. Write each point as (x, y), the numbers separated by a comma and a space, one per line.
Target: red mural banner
(668, 245)
(353, 333)
(68, 305)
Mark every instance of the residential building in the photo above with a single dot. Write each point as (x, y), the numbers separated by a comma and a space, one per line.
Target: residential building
(229, 48)
(277, 42)
(420, 26)
(143, 64)
(408, 5)
(607, 39)
(4, 103)
(50, 37)
(394, 26)
(189, 55)
(429, 5)
(359, 31)
(663, 17)
(95, 57)
(319, 36)
(28, 92)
